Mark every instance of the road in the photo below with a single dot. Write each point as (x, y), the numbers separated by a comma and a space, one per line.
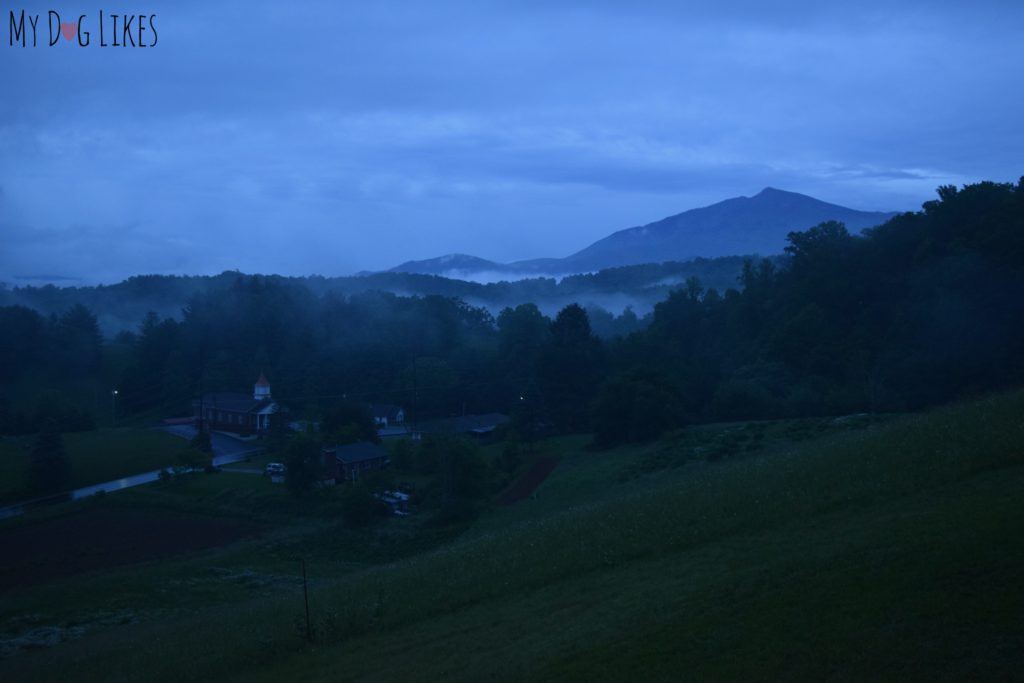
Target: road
(226, 450)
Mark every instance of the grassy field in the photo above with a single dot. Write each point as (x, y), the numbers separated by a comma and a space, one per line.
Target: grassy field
(888, 549)
(96, 457)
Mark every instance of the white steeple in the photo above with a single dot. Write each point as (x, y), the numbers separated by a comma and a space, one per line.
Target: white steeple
(262, 388)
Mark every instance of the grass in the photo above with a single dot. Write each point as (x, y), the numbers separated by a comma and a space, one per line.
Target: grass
(294, 529)
(892, 551)
(854, 599)
(95, 457)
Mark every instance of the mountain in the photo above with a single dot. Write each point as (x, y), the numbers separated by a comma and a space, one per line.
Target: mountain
(738, 226)
(743, 225)
(451, 263)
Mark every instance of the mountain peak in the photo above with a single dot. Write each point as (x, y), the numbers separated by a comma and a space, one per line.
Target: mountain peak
(737, 226)
(446, 263)
(772, 192)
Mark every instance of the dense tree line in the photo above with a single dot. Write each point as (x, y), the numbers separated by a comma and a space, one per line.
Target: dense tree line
(40, 358)
(920, 310)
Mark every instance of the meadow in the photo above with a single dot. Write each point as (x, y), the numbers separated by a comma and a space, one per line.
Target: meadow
(95, 457)
(845, 550)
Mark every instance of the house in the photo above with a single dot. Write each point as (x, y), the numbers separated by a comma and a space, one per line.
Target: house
(473, 425)
(235, 412)
(394, 432)
(351, 460)
(385, 415)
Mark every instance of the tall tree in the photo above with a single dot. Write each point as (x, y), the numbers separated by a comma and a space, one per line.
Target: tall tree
(348, 422)
(571, 367)
(78, 341)
(50, 468)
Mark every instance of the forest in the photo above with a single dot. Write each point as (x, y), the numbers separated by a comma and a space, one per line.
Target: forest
(121, 306)
(921, 310)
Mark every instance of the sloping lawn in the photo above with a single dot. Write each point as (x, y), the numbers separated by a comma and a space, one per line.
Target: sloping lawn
(96, 457)
(893, 552)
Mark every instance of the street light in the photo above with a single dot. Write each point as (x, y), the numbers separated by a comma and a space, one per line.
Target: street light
(113, 408)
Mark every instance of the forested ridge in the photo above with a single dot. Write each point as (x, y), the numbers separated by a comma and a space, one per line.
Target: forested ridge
(920, 310)
(119, 307)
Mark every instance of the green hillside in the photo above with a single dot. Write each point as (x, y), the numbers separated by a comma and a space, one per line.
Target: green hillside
(887, 550)
(893, 552)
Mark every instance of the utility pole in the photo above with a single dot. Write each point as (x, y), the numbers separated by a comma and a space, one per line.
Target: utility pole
(305, 595)
(415, 398)
(113, 408)
(202, 348)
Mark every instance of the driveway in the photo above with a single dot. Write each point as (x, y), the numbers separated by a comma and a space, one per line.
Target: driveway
(226, 448)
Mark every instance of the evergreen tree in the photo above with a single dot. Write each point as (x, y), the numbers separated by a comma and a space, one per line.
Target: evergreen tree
(50, 468)
(304, 463)
(571, 367)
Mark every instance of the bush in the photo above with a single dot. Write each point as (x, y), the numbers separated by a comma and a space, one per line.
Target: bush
(201, 442)
(304, 464)
(511, 455)
(358, 506)
(635, 407)
(403, 456)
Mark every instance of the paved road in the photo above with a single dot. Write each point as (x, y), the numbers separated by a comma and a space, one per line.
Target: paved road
(226, 450)
(242, 470)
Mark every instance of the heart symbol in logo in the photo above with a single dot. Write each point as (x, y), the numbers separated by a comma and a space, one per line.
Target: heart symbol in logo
(69, 31)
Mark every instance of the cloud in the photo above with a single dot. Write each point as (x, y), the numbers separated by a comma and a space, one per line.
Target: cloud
(350, 137)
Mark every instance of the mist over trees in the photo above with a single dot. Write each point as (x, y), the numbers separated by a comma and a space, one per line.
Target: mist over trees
(120, 307)
(921, 310)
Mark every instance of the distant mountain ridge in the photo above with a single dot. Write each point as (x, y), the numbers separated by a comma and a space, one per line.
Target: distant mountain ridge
(452, 263)
(737, 226)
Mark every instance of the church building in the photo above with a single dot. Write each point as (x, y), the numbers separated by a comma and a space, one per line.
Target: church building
(238, 413)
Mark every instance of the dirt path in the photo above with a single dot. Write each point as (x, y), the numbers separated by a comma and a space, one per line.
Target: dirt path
(529, 482)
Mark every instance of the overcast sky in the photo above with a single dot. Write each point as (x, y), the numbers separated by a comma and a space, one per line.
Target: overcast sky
(332, 137)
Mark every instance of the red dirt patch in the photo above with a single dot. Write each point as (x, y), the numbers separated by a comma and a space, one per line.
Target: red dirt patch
(529, 482)
(97, 539)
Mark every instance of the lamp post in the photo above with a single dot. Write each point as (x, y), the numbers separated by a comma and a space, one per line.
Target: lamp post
(113, 408)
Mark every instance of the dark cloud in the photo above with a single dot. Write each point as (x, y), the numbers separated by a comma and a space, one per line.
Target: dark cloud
(338, 137)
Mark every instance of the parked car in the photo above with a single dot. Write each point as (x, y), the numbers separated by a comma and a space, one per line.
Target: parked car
(274, 469)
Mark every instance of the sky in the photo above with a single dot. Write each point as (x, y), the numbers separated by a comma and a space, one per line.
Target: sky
(334, 137)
